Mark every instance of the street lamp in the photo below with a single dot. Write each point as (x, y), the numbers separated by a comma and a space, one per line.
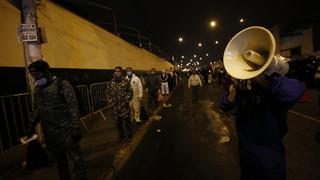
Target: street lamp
(195, 55)
(213, 24)
(182, 57)
(241, 20)
(216, 42)
(180, 39)
(207, 54)
(199, 44)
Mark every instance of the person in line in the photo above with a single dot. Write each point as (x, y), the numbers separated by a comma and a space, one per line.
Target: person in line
(152, 86)
(164, 78)
(261, 119)
(194, 82)
(137, 88)
(120, 94)
(56, 106)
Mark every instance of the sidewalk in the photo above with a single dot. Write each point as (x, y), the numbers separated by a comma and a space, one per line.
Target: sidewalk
(104, 156)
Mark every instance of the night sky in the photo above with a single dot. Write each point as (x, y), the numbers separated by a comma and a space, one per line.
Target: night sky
(166, 20)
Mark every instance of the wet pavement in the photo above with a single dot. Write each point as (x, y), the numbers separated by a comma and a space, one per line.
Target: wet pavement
(191, 141)
(197, 141)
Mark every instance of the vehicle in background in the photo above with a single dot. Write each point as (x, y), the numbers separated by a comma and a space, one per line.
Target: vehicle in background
(304, 68)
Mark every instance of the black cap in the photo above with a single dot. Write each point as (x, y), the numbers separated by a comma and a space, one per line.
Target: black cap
(38, 66)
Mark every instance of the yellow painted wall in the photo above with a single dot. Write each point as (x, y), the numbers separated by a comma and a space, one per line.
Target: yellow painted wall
(73, 42)
(11, 52)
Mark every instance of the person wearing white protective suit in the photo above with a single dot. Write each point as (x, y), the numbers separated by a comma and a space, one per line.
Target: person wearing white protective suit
(137, 89)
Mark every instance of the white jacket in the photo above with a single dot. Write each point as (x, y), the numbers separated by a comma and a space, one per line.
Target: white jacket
(194, 80)
(136, 86)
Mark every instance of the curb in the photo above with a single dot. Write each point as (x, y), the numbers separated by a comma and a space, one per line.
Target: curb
(125, 152)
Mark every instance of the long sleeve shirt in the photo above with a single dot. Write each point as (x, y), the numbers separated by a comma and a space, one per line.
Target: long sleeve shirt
(261, 116)
(136, 86)
(194, 80)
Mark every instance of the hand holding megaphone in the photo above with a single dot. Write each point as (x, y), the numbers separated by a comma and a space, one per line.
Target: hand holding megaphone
(251, 53)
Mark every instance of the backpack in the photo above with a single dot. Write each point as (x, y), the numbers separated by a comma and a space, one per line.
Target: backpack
(80, 105)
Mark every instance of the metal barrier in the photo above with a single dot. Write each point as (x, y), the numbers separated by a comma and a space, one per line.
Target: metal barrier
(99, 95)
(13, 119)
(84, 99)
(15, 109)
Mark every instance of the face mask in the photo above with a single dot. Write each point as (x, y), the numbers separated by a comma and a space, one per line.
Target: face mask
(129, 73)
(41, 82)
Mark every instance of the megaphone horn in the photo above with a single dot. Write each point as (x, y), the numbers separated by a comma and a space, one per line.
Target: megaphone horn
(251, 53)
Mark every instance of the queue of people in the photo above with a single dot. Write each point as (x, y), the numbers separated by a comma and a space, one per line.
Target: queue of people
(57, 108)
(262, 106)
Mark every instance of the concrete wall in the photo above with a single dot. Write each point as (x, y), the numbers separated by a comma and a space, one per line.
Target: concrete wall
(305, 41)
(11, 52)
(72, 42)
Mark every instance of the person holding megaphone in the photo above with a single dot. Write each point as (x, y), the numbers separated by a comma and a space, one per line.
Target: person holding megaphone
(263, 96)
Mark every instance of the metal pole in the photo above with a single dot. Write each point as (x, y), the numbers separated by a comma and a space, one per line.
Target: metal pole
(32, 50)
(115, 25)
(139, 38)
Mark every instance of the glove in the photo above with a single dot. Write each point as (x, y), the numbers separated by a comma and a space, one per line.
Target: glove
(76, 134)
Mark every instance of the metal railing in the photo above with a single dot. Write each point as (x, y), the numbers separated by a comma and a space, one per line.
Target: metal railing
(84, 99)
(98, 93)
(13, 119)
(15, 111)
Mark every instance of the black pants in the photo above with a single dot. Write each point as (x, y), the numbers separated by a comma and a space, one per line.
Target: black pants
(261, 163)
(124, 126)
(75, 154)
(195, 94)
(152, 99)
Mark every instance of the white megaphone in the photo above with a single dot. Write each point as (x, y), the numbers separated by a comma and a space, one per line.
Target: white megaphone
(251, 52)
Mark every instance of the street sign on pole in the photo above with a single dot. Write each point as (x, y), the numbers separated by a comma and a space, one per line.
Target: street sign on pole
(27, 33)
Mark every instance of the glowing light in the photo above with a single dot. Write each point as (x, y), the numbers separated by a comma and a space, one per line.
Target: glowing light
(213, 23)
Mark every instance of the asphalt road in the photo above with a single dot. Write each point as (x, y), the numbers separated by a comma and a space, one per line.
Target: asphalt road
(197, 141)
